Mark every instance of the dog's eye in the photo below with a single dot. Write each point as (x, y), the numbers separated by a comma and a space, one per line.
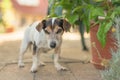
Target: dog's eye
(47, 32)
(59, 31)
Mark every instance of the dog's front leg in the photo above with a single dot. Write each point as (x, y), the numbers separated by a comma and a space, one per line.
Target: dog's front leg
(35, 63)
(35, 59)
(40, 62)
(56, 58)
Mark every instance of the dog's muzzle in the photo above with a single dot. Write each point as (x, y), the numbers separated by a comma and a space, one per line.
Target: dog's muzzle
(53, 44)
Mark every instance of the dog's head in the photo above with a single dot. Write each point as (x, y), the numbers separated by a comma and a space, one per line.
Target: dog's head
(54, 28)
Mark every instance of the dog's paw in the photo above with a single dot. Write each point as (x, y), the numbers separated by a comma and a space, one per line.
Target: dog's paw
(21, 65)
(42, 64)
(61, 68)
(33, 70)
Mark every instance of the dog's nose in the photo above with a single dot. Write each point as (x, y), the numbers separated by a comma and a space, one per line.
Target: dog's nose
(52, 44)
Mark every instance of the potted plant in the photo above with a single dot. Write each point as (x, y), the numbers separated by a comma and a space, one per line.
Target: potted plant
(97, 14)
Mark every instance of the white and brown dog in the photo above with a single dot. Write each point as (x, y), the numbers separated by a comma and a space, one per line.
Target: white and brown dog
(44, 35)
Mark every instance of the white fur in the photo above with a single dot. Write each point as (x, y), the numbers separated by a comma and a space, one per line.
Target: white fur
(57, 65)
(40, 38)
(53, 20)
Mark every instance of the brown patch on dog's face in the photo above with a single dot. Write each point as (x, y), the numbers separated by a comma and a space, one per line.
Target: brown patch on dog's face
(48, 30)
(56, 30)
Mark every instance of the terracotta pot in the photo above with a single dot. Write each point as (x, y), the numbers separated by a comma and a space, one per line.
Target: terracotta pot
(9, 29)
(100, 55)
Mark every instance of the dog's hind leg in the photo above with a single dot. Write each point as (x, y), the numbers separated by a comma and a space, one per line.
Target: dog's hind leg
(23, 49)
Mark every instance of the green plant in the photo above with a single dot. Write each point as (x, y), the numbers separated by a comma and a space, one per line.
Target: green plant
(87, 11)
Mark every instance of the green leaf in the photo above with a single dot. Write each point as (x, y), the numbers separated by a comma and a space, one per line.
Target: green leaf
(78, 8)
(112, 16)
(117, 9)
(72, 18)
(66, 5)
(95, 12)
(107, 26)
(102, 32)
(98, 0)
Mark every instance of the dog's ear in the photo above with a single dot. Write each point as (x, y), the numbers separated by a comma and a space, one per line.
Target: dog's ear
(66, 25)
(41, 25)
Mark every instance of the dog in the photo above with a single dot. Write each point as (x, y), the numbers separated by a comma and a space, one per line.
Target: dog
(44, 35)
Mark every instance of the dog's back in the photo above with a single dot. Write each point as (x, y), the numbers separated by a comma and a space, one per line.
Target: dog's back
(31, 33)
